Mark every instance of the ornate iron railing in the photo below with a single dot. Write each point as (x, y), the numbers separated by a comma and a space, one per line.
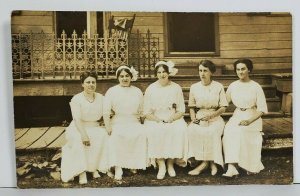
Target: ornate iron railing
(45, 56)
(143, 52)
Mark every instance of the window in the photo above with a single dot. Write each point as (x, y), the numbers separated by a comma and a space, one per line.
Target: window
(70, 21)
(100, 30)
(190, 34)
(91, 22)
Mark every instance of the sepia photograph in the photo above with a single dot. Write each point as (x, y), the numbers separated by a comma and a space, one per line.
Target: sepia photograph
(133, 99)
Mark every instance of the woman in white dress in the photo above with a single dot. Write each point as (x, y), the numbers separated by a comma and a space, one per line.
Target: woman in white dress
(242, 141)
(207, 101)
(166, 129)
(128, 141)
(86, 142)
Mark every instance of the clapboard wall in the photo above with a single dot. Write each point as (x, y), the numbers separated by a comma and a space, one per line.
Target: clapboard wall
(265, 38)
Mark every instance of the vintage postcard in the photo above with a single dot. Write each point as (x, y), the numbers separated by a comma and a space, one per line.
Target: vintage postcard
(110, 99)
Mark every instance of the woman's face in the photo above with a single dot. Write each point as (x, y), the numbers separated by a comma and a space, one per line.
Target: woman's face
(89, 85)
(204, 73)
(162, 74)
(124, 78)
(242, 71)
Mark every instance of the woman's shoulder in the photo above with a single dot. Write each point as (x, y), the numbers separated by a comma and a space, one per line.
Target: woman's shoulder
(98, 95)
(77, 97)
(217, 84)
(234, 83)
(196, 85)
(152, 86)
(136, 88)
(174, 84)
(111, 89)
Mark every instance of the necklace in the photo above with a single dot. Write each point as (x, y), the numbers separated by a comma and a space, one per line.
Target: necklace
(91, 100)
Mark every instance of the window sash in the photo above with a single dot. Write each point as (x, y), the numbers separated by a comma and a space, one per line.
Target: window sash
(168, 41)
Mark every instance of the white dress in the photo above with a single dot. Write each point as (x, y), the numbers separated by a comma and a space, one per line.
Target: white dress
(205, 140)
(243, 144)
(165, 140)
(76, 157)
(128, 141)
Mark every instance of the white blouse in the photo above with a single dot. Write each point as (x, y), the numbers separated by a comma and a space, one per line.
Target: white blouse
(247, 95)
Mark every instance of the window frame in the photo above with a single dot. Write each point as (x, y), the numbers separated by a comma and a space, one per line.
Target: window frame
(91, 23)
(167, 38)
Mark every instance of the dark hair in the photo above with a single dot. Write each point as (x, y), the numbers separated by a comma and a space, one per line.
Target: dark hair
(165, 67)
(247, 62)
(208, 64)
(124, 69)
(87, 74)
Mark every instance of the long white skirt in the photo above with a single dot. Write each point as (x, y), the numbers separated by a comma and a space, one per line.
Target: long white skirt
(205, 143)
(128, 144)
(167, 140)
(77, 158)
(243, 144)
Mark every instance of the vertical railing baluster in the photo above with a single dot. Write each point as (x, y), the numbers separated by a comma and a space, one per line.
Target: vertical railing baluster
(84, 50)
(31, 55)
(63, 36)
(106, 41)
(138, 52)
(149, 52)
(20, 54)
(95, 52)
(74, 37)
(53, 37)
(43, 54)
(117, 60)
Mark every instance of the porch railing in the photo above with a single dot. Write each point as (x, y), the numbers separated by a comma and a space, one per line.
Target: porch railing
(45, 56)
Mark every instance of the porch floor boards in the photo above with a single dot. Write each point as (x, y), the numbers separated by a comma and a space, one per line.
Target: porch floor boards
(278, 133)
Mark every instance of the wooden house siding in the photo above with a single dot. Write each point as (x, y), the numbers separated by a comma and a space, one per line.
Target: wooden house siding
(266, 39)
(35, 21)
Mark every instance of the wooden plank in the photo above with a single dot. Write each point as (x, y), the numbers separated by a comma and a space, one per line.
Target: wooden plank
(256, 29)
(36, 13)
(263, 66)
(30, 137)
(256, 37)
(221, 60)
(32, 20)
(20, 132)
(255, 45)
(267, 128)
(34, 29)
(37, 89)
(153, 29)
(37, 139)
(138, 14)
(288, 120)
(148, 21)
(281, 125)
(58, 142)
(244, 19)
(275, 128)
(256, 53)
(49, 137)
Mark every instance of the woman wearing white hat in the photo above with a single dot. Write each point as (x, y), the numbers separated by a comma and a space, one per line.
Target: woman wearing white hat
(128, 141)
(166, 129)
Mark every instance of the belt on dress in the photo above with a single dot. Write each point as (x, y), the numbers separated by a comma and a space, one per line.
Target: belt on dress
(244, 109)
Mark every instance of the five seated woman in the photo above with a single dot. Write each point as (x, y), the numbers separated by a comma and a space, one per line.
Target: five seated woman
(165, 138)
